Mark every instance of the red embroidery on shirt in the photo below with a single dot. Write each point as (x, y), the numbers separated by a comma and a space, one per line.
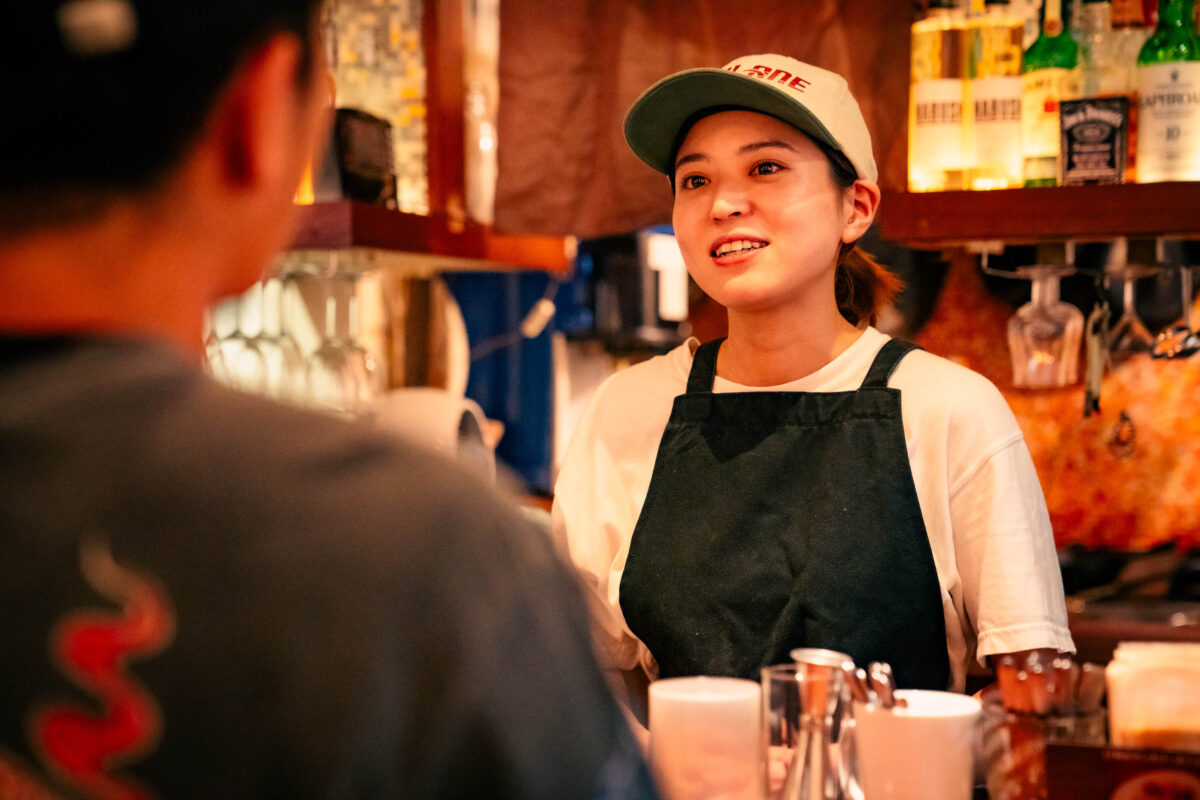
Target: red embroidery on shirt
(93, 648)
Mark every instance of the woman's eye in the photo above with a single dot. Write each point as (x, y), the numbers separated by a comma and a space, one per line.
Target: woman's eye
(766, 168)
(692, 182)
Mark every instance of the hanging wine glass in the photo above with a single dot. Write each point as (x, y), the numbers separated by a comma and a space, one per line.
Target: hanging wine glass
(283, 366)
(230, 343)
(214, 361)
(1180, 339)
(1045, 333)
(249, 367)
(365, 367)
(338, 379)
(1129, 336)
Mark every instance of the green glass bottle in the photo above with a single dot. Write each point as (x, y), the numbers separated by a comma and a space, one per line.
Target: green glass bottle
(1050, 75)
(1168, 143)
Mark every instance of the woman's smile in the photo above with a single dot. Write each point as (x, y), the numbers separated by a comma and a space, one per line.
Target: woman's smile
(733, 250)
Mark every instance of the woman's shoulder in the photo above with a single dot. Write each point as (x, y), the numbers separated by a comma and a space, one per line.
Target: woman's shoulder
(933, 385)
(656, 377)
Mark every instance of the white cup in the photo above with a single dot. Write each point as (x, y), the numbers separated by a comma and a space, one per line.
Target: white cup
(706, 738)
(924, 751)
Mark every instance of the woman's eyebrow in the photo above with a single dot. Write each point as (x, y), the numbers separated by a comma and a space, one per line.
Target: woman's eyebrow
(746, 148)
(761, 145)
(689, 158)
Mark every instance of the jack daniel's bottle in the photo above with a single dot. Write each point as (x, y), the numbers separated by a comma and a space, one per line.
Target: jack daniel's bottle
(1168, 143)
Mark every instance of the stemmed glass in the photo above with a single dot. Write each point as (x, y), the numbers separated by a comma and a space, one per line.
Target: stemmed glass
(1180, 340)
(341, 374)
(214, 361)
(365, 368)
(1129, 335)
(331, 379)
(283, 366)
(249, 365)
(230, 358)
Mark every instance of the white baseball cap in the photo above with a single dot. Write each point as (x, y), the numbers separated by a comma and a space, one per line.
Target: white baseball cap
(815, 100)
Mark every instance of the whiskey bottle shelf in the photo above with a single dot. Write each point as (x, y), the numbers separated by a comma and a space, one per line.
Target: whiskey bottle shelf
(1019, 216)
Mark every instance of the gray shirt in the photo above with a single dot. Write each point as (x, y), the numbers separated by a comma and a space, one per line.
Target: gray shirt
(208, 595)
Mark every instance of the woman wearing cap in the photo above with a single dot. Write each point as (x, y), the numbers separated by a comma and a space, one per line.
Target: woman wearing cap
(807, 481)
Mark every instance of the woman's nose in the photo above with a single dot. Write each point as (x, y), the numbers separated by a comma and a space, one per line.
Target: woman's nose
(728, 203)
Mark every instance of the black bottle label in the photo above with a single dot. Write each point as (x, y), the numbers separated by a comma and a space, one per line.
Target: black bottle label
(1095, 140)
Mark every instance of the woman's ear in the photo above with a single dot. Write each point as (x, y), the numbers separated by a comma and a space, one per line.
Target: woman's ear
(862, 200)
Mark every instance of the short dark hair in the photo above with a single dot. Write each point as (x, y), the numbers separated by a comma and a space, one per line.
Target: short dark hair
(112, 93)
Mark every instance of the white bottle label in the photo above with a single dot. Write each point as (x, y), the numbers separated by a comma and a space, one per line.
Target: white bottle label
(997, 115)
(1168, 137)
(937, 132)
(1043, 89)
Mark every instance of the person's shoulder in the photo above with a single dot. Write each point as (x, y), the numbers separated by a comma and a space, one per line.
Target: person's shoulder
(628, 394)
(931, 384)
(255, 462)
(658, 373)
(942, 377)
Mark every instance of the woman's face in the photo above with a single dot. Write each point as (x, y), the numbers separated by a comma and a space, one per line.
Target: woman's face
(757, 214)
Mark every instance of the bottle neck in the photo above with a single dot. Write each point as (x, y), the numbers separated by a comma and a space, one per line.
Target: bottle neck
(1052, 24)
(1174, 14)
(1044, 290)
(1096, 18)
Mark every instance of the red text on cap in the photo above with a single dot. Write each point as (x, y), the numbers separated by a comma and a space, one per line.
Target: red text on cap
(781, 76)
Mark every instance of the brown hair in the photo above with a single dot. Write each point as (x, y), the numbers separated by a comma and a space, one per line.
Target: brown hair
(862, 286)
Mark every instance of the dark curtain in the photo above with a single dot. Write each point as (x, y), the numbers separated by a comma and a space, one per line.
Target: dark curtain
(569, 69)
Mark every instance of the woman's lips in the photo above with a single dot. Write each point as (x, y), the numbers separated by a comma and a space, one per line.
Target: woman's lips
(732, 248)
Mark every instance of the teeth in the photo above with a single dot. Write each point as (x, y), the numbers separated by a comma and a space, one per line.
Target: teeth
(737, 247)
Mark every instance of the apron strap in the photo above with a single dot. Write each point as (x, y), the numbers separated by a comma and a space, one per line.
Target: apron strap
(704, 367)
(885, 363)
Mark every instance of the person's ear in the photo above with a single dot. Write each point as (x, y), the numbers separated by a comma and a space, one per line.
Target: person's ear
(257, 120)
(862, 201)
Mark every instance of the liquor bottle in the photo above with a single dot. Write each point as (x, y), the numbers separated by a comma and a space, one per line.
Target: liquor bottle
(1050, 74)
(1168, 147)
(938, 117)
(995, 90)
(1130, 25)
(1030, 12)
(1095, 128)
(1101, 72)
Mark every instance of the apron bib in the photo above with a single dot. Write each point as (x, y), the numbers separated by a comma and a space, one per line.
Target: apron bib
(777, 520)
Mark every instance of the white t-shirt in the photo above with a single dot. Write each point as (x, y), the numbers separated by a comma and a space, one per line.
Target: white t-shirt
(979, 494)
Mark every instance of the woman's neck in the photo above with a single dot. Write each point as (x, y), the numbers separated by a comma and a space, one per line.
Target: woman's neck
(768, 352)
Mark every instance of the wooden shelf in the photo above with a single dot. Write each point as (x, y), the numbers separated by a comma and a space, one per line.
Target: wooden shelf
(349, 225)
(1022, 216)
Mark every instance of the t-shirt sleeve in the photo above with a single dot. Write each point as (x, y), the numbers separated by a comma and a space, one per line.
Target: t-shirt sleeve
(1003, 540)
(592, 516)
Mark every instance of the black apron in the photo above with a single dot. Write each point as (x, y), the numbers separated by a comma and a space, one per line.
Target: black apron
(777, 520)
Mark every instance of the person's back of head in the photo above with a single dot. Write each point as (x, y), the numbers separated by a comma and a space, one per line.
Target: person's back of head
(110, 93)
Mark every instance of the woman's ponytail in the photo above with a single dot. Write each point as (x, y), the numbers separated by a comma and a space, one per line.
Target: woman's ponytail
(862, 286)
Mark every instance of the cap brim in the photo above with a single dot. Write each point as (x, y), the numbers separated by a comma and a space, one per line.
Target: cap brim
(654, 121)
